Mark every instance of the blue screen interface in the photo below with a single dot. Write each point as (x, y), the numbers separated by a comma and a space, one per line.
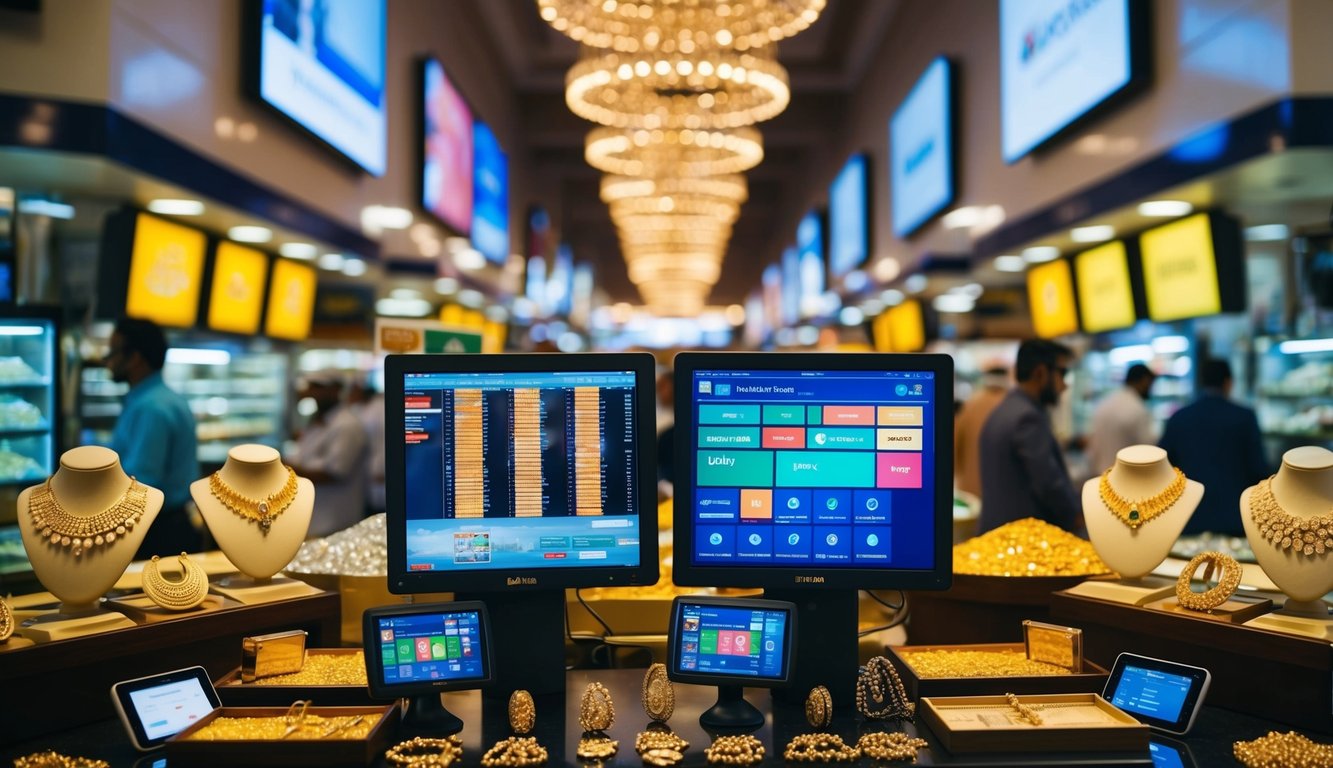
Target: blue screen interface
(520, 470)
(732, 641)
(813, 468)
(1165, 756)
(1151, 693)
(442, 646)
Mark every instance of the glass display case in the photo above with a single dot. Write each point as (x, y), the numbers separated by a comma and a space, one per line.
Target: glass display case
(1294, 398)
(29, 394)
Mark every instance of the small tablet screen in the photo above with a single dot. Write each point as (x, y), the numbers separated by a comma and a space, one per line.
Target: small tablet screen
(158, 707)
(430, 647)
(742, 641)
(1162, 694)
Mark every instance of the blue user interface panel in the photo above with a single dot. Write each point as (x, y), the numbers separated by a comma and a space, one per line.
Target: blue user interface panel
(520, 470)
(732, 641)
(1152, 693)
(813, 468)
(442, 646)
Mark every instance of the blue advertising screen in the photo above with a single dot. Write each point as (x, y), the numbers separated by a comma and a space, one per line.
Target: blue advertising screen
(810, 250)
(849, 230)
(830, 468)
(442, 646)
(921, 151)
(510, 470)
(490, 195)
(723, 640)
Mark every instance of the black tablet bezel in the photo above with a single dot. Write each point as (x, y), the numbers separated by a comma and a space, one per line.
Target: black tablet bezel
(1189, 709)
(674, 672)
(129, 715)
(375, 662)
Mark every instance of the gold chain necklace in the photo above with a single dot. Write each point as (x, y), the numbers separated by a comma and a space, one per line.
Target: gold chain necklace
(1307, 536)
(263, 511)
(61, 529)
(1139, 511)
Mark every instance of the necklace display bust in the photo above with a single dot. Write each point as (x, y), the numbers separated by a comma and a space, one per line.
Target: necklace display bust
(1139, 472)
(1302, 490)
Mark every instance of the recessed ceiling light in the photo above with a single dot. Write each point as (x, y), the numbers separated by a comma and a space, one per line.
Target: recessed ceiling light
(1264, 233)
(354, 267)
(965, 217)
(471, 298)
(35, 206)
(1010, 263)
(304, 251)
(1039, 253)
(250, 234)
(1165, 208)
(1096, 233)
(446, 285)
(915, 283)
(469, 258)
(333, 262)
(851, 316)
(403, 307)
(891, 297)
(953, 303)
(375, 217)
(176, 207)
(405, 293)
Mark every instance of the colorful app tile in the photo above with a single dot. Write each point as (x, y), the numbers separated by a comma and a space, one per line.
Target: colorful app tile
(756, 504)
(898, 470)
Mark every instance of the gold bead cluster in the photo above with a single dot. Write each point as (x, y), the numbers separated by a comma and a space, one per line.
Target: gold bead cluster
(53, 759)
(1212, 598)
(659, 696)
(1283, 750)
(596, 711)
(1024, 711)
(426, 753)
(1027, 547)
(514, 752)
(949, 663)
(596, 746)
(887, 747)
(323, 669)
(820, 748)
(735, 750)
(660, 747)
(880, 694)
(522, 711)
(819, 707)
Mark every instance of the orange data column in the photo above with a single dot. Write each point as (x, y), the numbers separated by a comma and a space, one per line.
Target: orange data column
(588, 450)
(469, 437)
(527, 453)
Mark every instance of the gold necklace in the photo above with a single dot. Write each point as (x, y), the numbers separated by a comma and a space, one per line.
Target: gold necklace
(1139, 511)
(1307, 536)
(61, 529)
(180, 595)
(263, 511)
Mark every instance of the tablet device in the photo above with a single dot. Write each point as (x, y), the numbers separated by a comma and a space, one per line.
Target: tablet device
(1161, 694)
(426, 648)
(731, 641)
(157, 707)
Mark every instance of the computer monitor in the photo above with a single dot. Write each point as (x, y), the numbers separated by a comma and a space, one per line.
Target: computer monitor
(511, 477)
(420, 651)
(813, 476)
(733, 643)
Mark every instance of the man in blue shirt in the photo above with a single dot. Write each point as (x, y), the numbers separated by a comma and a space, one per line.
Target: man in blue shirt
(1216, 442)
(155, 434)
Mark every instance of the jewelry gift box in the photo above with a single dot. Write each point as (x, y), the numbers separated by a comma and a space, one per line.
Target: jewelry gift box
(1068, 722)
(1089, 678)
(331, 677)
(305, 746)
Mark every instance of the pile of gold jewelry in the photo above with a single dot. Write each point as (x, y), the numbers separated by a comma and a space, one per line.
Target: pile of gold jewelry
(659, 696)
(522, 711)
(819, 707)
(820, 748)
(296, 725)
(323, 669)
(945, 663)
(1283, 750)
(426, 753)
(514, 752)
(886, 747)
(735, 750)
(1024, 711)
(880, 694)
(596, 711)
(1027, 547)
(597, 746)
(53, 759)
(661, 748)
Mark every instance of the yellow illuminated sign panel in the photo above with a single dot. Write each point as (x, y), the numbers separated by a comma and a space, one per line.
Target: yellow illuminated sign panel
(883, 332)
(236, 298)
(291, 300)
(1051, 299)
(1180, 270)
(907, 329)
(1105, 298)
(166, 266)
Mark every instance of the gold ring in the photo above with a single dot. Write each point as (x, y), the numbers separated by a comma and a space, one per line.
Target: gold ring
(819, 707)
(522, 711)
(1226, 585)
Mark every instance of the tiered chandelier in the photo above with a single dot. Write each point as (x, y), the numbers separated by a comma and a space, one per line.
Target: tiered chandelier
(676, 85)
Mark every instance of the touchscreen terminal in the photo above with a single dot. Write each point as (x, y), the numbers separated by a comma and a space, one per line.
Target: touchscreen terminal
(157, 707)
(1161, 694)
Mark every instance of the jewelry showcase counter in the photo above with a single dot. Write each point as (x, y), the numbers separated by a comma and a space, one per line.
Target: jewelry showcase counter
(486, 721)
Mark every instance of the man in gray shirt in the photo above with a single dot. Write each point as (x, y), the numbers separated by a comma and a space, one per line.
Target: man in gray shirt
(1023, 473)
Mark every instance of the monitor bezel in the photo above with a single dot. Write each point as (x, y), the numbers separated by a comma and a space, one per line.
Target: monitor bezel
(401, 581)
(674, 671)
(375, 663)
(686, 573)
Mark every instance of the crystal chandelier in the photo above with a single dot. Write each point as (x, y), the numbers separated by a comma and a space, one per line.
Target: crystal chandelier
(684, 152)
(683, 25)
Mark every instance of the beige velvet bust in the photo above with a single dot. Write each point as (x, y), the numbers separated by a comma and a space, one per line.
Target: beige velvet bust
(1140, 471)
(1303, 488)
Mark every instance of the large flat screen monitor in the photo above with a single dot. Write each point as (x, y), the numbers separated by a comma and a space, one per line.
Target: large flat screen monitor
(490, 195)
(446, 149)
(849, 217)
(322, 66)
(922, 170)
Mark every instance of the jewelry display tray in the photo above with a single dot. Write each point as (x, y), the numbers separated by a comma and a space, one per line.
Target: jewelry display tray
(1115, 731)
(184, 751)
(1090, 679)
(235, 693)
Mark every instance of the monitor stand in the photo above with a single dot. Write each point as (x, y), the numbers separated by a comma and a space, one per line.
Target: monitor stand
(426, 715)
(528, 639)
(826, 644)
(732, 712)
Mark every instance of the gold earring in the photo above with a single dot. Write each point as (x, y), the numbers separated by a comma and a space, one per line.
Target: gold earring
(180, 595)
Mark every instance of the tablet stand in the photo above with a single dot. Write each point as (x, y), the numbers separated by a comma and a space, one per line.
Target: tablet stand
(732, 712)
(426, 714)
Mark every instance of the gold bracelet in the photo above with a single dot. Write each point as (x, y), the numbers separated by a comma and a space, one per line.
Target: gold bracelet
(596, 711)
(889, 746)
(819, 707)
(659, 696)
(429, 753)
(1283, 750)
(735, 750)
(514, 752)
(1226, 585)
(522, 711)
(820, 748)
(53, 759)
(1024, 711)
(880, 694)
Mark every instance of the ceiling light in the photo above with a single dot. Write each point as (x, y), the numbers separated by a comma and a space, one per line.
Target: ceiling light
(40, 207)
(955, 303)
(625, 26)
(303, 251)
(380, 217)
(892, 297)
(405, 293)
(915, 283)
(176, 206)
(887, 269)
(1096, 233)
(1264, 233)
(403, 307)
(354, 267)
(851, 316)
(332, 262)
(1165, 208)
(469, 259)
(1040, 253)
(965, 217)
(250, 234)
(195, 356)
(735, 314)
(1303, 346)
(1010, 263)
(22, 330)
(471, 298)
(855, 280)
(970, 290)
(683, 153)
(446, 286)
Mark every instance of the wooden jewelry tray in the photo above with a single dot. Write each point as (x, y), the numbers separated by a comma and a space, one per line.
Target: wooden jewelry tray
(1072, 722)
(184, 751)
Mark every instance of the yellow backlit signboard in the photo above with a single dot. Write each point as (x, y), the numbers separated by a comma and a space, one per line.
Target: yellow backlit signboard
(1051, 299)
(1105, 296)
(907, 328)
(166, 266)
(236, 298)
(1180, 273)
(291, 300)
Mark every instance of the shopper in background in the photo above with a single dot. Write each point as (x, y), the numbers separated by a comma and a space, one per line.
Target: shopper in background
(1216, 442)
(1122, 419)
(1023, 473)
(369, 407)
(967, 428)
(155, 435)
(331, 453)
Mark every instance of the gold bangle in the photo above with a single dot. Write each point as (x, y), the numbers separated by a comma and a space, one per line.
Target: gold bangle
(596, 711)
(1226, 585)
(819, 707)
(53, 759)
(659, 696)
(522, 711)
(434, 753)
